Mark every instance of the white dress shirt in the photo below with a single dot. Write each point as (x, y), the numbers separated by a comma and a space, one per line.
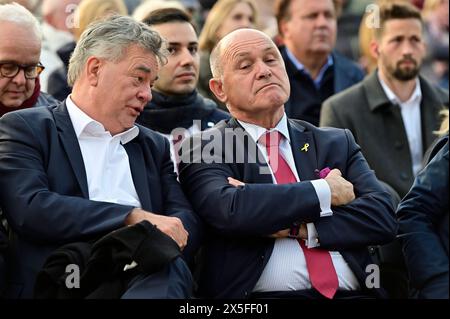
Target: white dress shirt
(410, 111)
(105, 159)
(286, 268)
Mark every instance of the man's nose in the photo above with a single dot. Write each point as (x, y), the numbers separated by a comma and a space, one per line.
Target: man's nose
(264, 71)
(407, 48)
(145, 95)
(187, 57)
(20, 78)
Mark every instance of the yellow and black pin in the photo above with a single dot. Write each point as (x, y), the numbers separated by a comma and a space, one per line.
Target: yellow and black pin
(305, 147)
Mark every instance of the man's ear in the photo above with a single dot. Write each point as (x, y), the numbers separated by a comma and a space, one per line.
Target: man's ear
(92, 69)
(283, 28)
(216, 86)
(374, 49)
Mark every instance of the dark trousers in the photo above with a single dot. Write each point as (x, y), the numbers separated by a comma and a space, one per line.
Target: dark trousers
(173, 282)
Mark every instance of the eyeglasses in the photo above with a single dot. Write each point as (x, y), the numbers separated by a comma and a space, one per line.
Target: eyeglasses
(11, 69)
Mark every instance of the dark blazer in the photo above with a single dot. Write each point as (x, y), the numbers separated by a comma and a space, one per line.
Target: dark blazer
(240, 219)
(345, 74)
(46, 99)
(423, 220)
(378, 127)
(45, 194)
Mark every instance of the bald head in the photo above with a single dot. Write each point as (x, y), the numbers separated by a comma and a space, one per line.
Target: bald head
(249, 76)
(229, 40)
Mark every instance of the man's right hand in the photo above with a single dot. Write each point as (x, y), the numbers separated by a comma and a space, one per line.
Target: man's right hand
(171, 226)
(341, 190)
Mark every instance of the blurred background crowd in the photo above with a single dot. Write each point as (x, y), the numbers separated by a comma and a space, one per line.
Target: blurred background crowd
(63, 21)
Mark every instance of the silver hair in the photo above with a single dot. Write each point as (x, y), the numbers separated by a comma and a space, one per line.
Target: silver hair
(109, 39)
(13, 12)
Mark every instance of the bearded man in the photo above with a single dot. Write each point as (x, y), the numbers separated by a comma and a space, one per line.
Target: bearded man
(393, 112)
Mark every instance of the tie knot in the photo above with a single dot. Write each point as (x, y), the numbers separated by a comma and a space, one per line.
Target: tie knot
(271, 138)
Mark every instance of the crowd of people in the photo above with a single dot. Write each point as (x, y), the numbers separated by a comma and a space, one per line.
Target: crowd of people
(224, 149)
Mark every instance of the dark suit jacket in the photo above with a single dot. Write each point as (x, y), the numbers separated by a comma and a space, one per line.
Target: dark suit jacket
(240, 219)
(345, 74)
(378, 127)
(45, 194)
(423, 220)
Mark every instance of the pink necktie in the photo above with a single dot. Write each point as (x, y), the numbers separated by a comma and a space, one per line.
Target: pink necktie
(318, 261)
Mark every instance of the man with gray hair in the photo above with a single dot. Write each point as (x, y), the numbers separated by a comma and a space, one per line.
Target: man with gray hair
(82, 169)
(20, 49)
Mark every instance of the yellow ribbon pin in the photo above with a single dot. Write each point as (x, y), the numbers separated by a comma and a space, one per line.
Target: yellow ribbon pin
(305, 147)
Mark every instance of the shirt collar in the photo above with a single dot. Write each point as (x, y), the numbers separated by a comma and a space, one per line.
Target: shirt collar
(257, 131)
(299, 66)
(415, 96)
(83, 124)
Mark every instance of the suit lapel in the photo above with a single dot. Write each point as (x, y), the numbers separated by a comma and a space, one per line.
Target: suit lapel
(71, 146)
(304, 151)
(139, 173)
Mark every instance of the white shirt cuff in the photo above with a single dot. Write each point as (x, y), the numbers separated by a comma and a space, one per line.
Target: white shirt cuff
(313, 236)
(324, 194)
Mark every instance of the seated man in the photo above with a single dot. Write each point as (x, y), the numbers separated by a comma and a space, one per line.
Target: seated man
(176, 104)
(423, 221)
(258, 226)
(20, 49)
(82, 168)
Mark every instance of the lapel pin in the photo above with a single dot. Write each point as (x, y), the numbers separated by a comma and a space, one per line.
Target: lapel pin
(305, 147)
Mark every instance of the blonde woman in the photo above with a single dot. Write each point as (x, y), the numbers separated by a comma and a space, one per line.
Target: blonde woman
(92, 10)
(224, 17)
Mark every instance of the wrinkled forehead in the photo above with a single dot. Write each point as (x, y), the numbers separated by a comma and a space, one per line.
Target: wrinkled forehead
(246, 44)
